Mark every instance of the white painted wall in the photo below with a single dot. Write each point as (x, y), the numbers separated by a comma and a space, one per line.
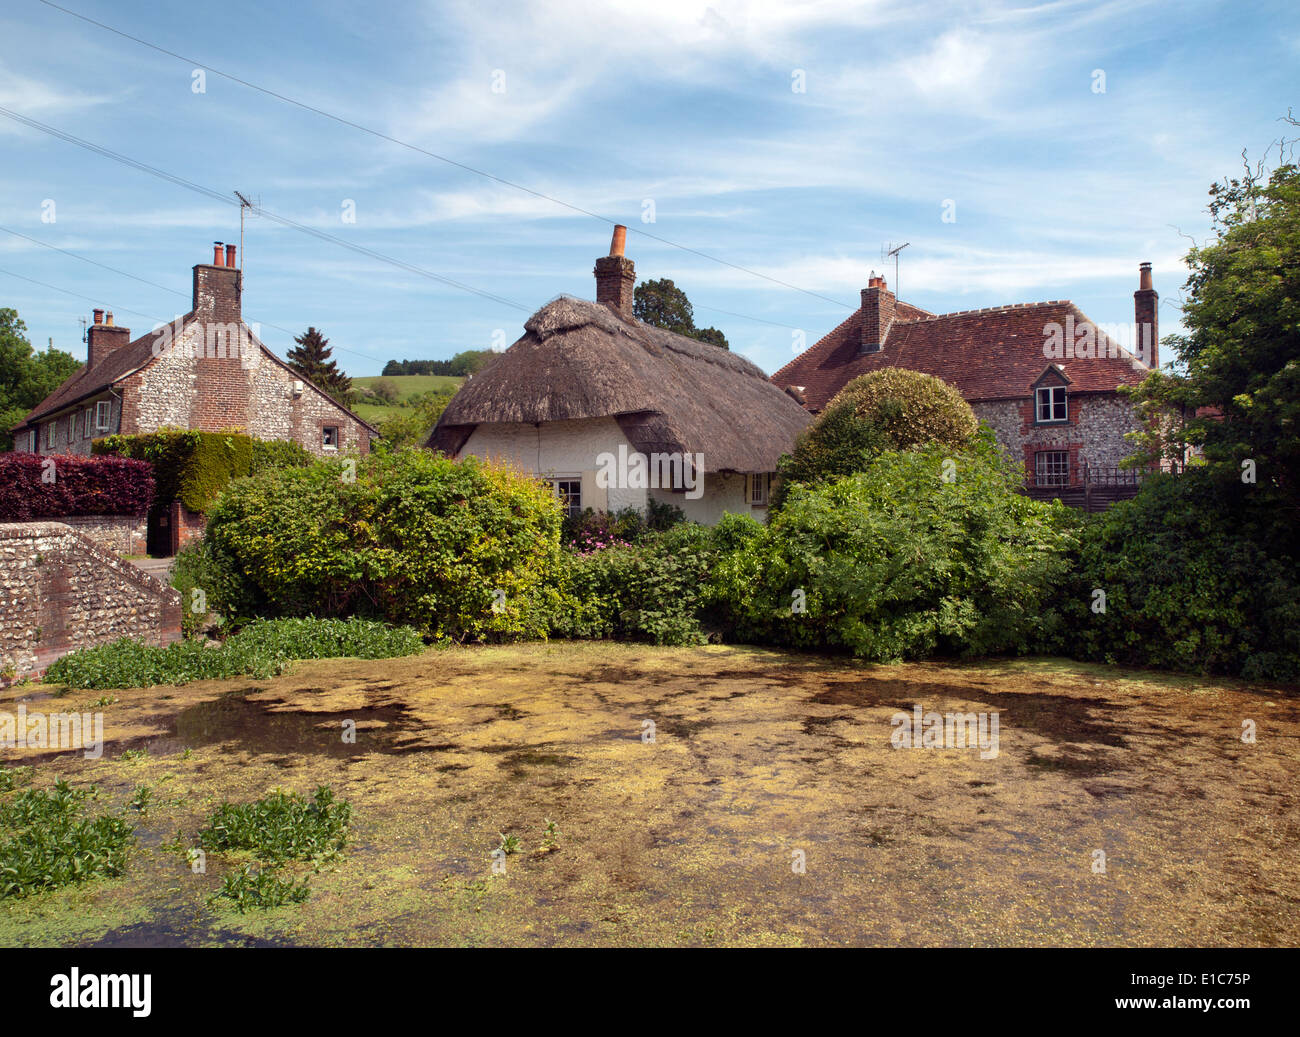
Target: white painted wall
(568, 449)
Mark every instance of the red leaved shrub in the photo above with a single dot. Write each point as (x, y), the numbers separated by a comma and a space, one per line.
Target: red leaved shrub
(30, 489)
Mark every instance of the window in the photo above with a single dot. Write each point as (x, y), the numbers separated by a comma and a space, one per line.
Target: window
(1051, 405)
(760, 483)
(85, 425)
(330, 437)
(51, 433)
(570, 493)
(1052, 468)
(103, 415)
(32, 441)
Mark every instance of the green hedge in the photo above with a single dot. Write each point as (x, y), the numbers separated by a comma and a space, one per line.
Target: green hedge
(190, 466)
(456, 549)
(649, 591)
(1200, 572)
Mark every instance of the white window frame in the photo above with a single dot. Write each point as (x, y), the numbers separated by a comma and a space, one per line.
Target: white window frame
(103, 415)
(570, 500)
(51, 433)
(33, 440)
(1048, 472)
(85, 424)
(1058, 410)
(324, 436)
(760, 489)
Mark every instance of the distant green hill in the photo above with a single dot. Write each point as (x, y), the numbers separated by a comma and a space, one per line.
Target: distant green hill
(409, 386)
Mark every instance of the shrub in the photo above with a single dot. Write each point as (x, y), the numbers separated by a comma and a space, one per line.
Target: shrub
(272, 454)
(190, 466)
(1199, 572)
(889, 409)
(593, 530)
(897, 562)
(195, 569)
(80, 486)
(410, 428)
(261, 649)
(46, 842)
(648, 591)
(456, 549)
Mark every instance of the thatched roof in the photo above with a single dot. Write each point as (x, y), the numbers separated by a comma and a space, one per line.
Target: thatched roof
(669, 394)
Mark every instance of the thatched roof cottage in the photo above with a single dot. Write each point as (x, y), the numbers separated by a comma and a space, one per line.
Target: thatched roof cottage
(615, 413)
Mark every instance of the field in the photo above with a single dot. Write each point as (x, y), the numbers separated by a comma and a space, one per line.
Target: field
(768, 808)
(409, 386)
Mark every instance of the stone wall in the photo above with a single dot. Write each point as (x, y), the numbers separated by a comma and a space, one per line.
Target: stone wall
(217, 380)
(121, 534)
(60, 591)
(1093, 435)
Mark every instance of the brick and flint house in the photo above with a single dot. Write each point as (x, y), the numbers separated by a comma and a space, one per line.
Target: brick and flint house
(1042, 375)
(206, 370)
(616, 414)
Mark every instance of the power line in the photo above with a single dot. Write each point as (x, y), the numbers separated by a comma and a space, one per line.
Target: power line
(152, 284)
(208, 192)
(434, 155)
(78, 295)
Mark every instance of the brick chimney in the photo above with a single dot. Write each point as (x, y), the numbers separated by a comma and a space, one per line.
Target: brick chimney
(218, 287)
(1146, 311)
(103, 337)
(877, 314)
(616, 276)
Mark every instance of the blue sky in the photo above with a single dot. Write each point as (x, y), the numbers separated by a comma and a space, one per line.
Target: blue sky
(1058, 190)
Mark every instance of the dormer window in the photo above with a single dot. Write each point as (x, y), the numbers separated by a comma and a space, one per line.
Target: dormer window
(1050, 404)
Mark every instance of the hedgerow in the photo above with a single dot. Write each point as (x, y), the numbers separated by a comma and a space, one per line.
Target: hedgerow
(33, 486)
(455, 549)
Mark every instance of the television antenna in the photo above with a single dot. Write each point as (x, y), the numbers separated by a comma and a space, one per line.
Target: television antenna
(244, 206)
(890, 249)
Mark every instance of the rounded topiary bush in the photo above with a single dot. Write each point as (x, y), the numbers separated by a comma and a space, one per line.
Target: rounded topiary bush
(889, 409)
(909, 408)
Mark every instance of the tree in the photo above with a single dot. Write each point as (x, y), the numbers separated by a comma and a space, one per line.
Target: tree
(26, 377)
(1237, 382)
(662, 304)
(311, 359)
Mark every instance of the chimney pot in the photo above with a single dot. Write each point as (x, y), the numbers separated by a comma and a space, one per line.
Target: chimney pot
(619, 242)
(216, 254)
(108, 319)
(230, 255)
(1144, 277)
(99, 316)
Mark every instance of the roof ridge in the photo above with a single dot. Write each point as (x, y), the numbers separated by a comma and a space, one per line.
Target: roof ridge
(990, 309)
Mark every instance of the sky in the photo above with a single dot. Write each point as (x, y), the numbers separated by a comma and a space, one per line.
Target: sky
(762, 155)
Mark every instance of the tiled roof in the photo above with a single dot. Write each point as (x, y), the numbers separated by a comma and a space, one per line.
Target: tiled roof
(989, 354)
(91, 381)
